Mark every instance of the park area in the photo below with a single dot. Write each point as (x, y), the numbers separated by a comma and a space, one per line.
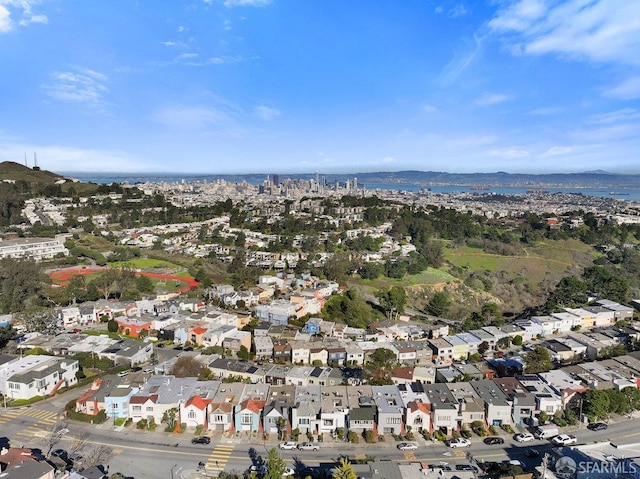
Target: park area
(174, 283)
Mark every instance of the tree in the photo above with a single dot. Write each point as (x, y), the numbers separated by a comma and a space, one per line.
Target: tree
(538, 360)
(393, 299)
(244, 353)
(107, 282)
(344, 470)
(97, 455)
(40, 320)
(517, 340)
(21, 282)
(170, 418)
(187, 366)
(596, 404)
(112, 326)
(144, 284)
(439, 304)
(7, 333)
(276, 467)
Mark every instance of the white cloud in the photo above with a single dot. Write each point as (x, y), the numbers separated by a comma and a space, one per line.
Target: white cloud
(266, 113)
(627, 90)
(460, 62)
(246, 3)
(428, 108)
(169, 43)
(22, 10)
(58, 158)
(184, 56)
(547, 111)
(458, 11)
(623, 115)
(596, 30)
(509, 153)
(439, 9)
(557, 151)
(489, 99)
(80, 86)
(5, 20)
(189, 117)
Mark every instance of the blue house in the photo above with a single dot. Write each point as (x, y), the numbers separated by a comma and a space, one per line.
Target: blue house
(116, 404)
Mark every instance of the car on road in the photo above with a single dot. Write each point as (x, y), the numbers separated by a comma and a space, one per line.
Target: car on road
(597, 426)
(260, 469)
(122, 374)
(308, 446)
(524, 437)
(460, 442)
(532, 453)
(288, 445)
(201, 440)
(288, 472)
(565, 440)
(407, 446)
(493, 440)
(135, 369)
(61, 453)
(76, 459)
(466, 467)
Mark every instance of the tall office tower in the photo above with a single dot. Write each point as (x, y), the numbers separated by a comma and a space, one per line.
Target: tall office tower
(355, 183)
(276, 180)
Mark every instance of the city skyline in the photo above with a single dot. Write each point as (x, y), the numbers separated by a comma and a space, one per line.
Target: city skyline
(242, 86)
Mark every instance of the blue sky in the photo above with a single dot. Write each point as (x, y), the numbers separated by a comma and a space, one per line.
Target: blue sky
(290, 86)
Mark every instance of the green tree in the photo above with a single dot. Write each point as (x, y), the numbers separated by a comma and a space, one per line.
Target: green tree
(170, 418)
(538, 360)
(21, 283)
(276, 467)
(393, 299)
(517, 340)
(144, 284)
(439, 304)
(112, 326)
(344, 470)
(7, 333)
(596, 404)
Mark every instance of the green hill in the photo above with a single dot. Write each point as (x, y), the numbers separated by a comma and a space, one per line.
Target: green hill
(10, 170)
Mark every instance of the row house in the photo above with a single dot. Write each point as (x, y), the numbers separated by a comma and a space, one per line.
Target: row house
(444, 407)
(390, 409)
(547, 400)
(236, 341)
(497, 408)
(460, 349)
(276, 312)
(263, 347)
(442, 351)
(593, 316)
(36, 375)
(523, 403)
(620, 312)
(471, 408)
(305, 416)
(133, 327)
(277, 410)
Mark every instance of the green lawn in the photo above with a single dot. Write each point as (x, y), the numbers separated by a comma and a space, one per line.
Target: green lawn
(145, 263)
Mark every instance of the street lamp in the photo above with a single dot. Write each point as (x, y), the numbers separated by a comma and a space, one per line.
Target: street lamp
(174, 466)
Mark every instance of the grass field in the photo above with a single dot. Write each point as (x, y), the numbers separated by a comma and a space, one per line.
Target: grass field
(145, 263)
(544, 260)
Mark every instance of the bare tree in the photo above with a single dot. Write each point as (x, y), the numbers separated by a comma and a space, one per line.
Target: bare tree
(97, 455)
(78, 442)
(54, 435)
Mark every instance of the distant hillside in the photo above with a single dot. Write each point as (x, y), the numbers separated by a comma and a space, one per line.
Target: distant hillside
(10, 170)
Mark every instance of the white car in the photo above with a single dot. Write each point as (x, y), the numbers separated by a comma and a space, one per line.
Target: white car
(407, 446)
(525, 437)
(565, 440)
(288, 472)
(288, 445)
(460, 442)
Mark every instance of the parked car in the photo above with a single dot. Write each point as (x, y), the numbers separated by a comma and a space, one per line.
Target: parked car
(260, 469)
(597, 426)
(532, 453)
(76, 458)
(123, 373)
(407, 446)
(460, 442)
(466, 467)
(493, 440)
(308, 446)
(135, 369)
(524, 437)
(61, 453)
(565, 440)
(288, 472)
(201, 440)
(288, 445)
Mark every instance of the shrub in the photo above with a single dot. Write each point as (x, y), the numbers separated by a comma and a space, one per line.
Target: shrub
(320, 437)
(478, 428)
(183, 427)
(152, 425)
(426, 435)
(199, 429)
(309, 436)
(369, 437)
(141, 424)
(508, 428)
(466, 433)
(295, 434)
(455, 434)
(410, 436)
(340, 433)
(440, 436)
(493, 430)
(353, 437)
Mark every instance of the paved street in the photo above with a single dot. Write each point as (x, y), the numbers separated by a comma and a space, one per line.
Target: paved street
(150, 455)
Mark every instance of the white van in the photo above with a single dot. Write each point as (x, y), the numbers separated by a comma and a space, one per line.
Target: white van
(546, 432)
(123, 373)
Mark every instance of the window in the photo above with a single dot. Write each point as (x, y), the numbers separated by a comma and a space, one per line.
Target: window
(218, 418)
(549, 409)
(192, 414)
(247, 418)
(393, 420)
(327, 422)
(303, 421)
(149, 409)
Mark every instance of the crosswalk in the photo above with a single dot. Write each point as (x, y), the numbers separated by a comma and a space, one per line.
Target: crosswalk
(219, 457)
(43, 423)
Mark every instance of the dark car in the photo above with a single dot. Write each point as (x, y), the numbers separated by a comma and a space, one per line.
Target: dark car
(466, 467)
(532, 453)
(135, 369)
(188, 348)
(61, 453)
(159, 345)
(494, 440)
(201, 440)
(598, 426)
